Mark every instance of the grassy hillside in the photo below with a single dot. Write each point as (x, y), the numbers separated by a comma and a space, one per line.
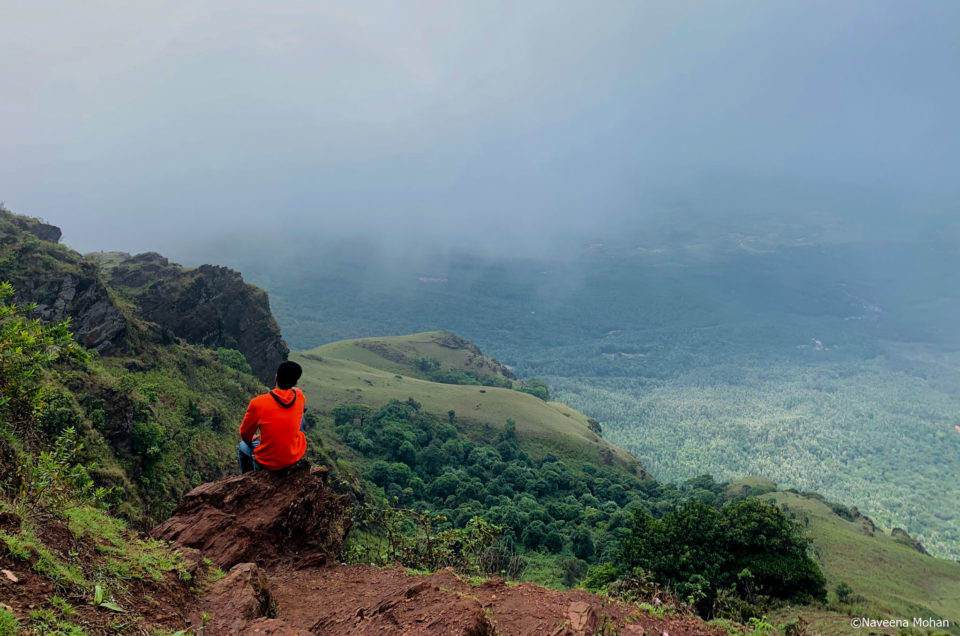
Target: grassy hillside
(889, 578)
(375, 371)
(400, 354)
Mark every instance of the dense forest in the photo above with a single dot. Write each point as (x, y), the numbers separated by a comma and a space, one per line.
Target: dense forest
(553, 520)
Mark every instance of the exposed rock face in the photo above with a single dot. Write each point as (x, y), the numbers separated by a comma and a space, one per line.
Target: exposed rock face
(361, 599)
(43, 231)
(95, 320)
(210, 306)
(867, 526)
(422, 608)
(60, 282)
(264, 517)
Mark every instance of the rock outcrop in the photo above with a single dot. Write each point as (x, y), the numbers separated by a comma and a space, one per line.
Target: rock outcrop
(904, 537)
(210, 306)
(264, 517)
(61, 283)
(278, 535)
(43, 231)
(238, 599)
(96, 321)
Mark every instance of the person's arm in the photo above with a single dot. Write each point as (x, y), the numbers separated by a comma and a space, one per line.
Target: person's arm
(250, 424)
(304, 417)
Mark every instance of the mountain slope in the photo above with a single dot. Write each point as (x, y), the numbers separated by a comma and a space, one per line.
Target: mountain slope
(889, 577)
(209, 305)
(377, 370)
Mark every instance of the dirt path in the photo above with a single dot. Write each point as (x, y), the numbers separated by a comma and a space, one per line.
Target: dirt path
(366, 600)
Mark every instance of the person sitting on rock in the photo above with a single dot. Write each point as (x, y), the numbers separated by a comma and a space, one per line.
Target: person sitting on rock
(279, 417)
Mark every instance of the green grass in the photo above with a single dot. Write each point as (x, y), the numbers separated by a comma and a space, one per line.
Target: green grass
(129, 556)
(46, 621)
(23, 546)
(752, 485)
(330, 380)
(889, 579)
(396, 354)
(542, 570)
(8, 623)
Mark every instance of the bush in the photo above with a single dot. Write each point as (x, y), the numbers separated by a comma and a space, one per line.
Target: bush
(536, 387)
(843, 592)
(600, 576)
(384, 535)
(747, 546)
(234, 359)
(55, 481)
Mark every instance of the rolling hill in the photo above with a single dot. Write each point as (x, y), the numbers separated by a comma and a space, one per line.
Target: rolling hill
(374, 371)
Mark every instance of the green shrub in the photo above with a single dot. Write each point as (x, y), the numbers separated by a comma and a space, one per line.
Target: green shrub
(385, 535)
(843, 592)
(234, 359)
(747, 546)
(536, 387)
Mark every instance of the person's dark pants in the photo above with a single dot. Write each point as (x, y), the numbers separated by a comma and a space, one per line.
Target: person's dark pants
(245, 456)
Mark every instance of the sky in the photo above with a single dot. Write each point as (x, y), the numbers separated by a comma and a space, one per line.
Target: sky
(153, 125)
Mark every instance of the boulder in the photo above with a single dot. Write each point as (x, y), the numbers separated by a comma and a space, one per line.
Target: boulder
(239, 598)
(265, 517)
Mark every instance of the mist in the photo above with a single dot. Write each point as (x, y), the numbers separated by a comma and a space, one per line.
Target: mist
(487, 126)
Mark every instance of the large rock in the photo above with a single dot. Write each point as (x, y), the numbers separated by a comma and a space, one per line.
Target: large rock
(95, 320)
(903, 537)
(264, 517)
(239, 598)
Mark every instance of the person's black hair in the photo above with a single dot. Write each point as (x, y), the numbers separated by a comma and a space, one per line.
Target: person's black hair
(287, 374)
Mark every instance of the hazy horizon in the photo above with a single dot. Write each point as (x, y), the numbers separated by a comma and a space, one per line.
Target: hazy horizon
(511, 127)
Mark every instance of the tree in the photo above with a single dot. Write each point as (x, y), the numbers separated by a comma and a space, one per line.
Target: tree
(843, 591)
(533, 535)
(536, 387)
(351, 414)
(594, 426)
(27, 349)
(582, 544)
(749, 546)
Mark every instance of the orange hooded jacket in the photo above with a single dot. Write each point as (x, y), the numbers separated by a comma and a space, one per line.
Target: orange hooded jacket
(278, 414)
